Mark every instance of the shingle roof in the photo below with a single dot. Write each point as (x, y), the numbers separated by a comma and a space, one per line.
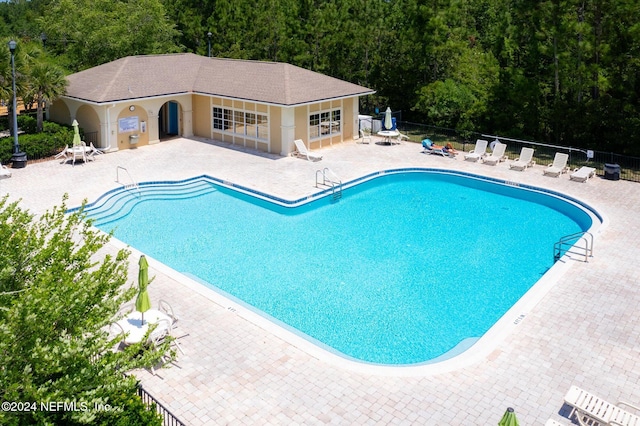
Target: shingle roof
(136, 77)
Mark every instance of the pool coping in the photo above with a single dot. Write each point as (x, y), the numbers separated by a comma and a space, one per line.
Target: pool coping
(499, 331)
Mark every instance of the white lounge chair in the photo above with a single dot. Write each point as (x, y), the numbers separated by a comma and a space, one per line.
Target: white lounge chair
(429, 148)
(497, 155)
(401, 138)
(582, 174)
(4, 171)
(525, 160)
(559, 165)
(588, 408)
(303, 152)
(478, 151)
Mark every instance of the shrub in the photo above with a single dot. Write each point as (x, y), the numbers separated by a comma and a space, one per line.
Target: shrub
(38, 145)
(27, 123)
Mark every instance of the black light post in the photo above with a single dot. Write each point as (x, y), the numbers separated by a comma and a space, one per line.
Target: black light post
(19, 159)
(209, 43)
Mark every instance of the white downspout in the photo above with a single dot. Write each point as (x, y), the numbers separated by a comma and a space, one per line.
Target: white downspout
(108, 138)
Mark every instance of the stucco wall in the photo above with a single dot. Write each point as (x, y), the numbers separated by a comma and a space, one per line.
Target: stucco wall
(202, 116)
(195, 116)
(126, 139)
(59, 112)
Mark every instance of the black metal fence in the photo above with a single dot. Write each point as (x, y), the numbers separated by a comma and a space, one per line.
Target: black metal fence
(169, 419)
(543, 153)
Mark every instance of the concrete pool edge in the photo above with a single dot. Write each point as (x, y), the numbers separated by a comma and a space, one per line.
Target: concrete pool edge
(506, 325)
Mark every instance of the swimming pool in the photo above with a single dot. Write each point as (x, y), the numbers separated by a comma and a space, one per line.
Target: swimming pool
(408, 265)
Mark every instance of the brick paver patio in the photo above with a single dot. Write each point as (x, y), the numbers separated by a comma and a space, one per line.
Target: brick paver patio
(584, 331)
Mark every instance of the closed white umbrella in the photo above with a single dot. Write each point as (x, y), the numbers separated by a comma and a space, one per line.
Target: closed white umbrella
(388, 122)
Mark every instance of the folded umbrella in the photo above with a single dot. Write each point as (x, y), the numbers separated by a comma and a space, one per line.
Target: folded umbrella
(143, 303)
(509, 418)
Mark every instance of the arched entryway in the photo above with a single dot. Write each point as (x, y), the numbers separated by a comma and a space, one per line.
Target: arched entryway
(169, 122)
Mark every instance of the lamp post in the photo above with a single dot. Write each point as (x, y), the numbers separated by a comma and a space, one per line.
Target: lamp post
(209, 43)
(19, 159)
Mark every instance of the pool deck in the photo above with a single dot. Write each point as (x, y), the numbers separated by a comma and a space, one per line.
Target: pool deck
(584, 331)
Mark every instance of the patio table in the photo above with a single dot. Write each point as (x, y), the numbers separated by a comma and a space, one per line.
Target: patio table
(135, 329)
(81, 151)
(387, 135)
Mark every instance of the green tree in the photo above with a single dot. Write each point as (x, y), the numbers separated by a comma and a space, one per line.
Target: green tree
(44, 80)
(59, 291)
(463, 73)
(190, 18)
(89, 32)
(6, 77)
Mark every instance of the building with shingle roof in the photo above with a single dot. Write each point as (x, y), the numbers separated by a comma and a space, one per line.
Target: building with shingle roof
(141, 100)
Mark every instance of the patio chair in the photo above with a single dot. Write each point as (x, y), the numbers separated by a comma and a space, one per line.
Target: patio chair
(125, 309)
(157, 337)
(4, 171)
(525, 160)
(78, 153)
(303, 152)
(582, 174)
(365, 137)
(117, 332)
(93, 151)
(478, 152)
(64, 154)
(497, 155)
(165, 307)
(559, 165)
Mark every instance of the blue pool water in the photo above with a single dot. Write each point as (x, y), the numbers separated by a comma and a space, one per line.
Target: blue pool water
(399, 271)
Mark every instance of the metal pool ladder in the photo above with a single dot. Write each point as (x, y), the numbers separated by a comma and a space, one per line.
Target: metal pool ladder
(572, 244)
(329, 178)
(131, 185)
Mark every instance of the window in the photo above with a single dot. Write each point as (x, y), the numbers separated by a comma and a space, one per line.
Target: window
(251, 124)
(250, 121)
(325, 123)
(227, 120)
(262, 127)
(217, 119)
(238, 122)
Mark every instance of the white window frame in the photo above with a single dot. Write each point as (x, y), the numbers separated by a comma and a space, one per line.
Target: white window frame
(324, 123)
(234, 122)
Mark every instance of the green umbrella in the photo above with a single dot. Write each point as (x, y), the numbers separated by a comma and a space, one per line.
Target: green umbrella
(509, 418)
(143, 304)
(76, 134)
(388, 122)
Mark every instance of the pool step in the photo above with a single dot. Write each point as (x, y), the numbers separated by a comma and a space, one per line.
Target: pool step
(120, 203)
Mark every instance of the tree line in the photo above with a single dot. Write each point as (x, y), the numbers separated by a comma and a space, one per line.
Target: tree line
(560, 71)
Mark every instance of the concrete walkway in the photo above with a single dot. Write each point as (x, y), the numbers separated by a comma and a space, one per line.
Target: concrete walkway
(584, 331)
